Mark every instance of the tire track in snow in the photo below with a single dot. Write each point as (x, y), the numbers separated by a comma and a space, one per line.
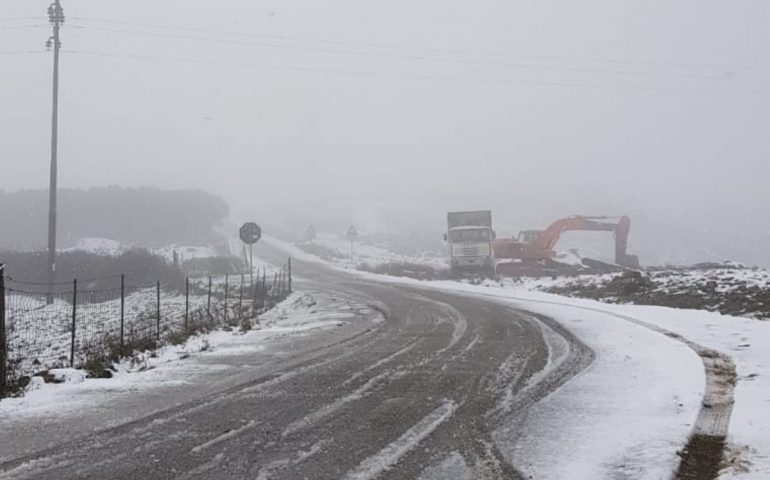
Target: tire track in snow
(330, 408)
(390, 455)
(202, 469)
(37, 465)
(225, 436)
(266, 472)
(452, 316)
(558, 351)
(383, 361)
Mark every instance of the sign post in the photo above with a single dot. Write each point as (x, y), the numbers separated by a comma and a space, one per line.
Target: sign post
(250, 234)
(310, 233)
(352, 236)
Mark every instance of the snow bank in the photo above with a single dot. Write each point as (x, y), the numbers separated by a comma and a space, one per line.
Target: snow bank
(625, 416)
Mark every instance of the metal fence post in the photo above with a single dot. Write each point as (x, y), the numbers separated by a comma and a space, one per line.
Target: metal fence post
(208, 302)
(122, 310)
(157, 328)
(289, 274)
(264, 284)
(3, 338)
(240, 298)
(256, 289)
(226, 281)
(186, 302)
(74, 320)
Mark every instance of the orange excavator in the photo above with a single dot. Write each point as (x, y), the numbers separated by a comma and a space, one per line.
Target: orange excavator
(534, 247)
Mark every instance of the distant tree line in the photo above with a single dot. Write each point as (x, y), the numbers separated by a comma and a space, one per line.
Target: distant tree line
(140, 216)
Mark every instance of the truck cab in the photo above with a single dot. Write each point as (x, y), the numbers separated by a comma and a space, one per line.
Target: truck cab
(469, 237)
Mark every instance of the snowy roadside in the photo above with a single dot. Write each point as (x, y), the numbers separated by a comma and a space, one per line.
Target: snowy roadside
(745, 340)
(665, 375)
(171, 375)
(634, 408)
(336, 249)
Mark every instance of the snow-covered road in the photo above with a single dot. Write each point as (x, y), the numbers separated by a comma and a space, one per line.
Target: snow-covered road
(647, 380)
(461, 381)
(52, 414)
(388, 401)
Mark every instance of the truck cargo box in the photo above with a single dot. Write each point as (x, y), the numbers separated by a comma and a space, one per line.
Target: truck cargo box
(480, 218)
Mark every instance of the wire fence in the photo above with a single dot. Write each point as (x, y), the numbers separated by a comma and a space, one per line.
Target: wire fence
(73, 324)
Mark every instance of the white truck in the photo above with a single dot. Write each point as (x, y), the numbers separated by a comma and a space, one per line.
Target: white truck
(469, 236)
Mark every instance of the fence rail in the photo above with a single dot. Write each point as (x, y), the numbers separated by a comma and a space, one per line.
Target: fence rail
(73, 325)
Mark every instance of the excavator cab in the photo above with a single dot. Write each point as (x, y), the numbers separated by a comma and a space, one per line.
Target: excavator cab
(530, 236)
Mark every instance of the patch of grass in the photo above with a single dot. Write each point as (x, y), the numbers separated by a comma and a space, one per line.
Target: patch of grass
(98, 367)
(177, 337)
(100, 358)
(218, 265)
(245, 325)
(15, 384)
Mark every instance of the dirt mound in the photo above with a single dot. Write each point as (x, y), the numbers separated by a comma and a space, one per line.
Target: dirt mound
(730, 290)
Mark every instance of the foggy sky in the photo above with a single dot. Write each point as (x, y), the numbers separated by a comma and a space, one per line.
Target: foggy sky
(385, 113)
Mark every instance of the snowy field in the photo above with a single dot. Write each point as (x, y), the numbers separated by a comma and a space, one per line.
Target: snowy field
(231, 246)
(634, 408)
(106, 246)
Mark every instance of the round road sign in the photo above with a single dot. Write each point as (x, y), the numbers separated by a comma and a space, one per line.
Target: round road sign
(250, 233)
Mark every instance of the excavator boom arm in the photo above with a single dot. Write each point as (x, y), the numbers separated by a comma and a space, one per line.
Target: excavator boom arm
(621, 229)
(540, 245)
(551, 235)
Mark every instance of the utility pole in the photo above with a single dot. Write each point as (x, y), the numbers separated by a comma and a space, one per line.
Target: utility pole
(56, 18)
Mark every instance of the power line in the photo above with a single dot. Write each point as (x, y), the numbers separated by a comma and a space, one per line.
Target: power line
(286, 37)
(410, 76)
(19, 27)
(422, 58)
(13, 19)
(430, 49)
(21, 52)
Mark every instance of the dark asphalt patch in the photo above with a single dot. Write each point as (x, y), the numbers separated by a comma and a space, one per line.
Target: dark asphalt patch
(701, 458)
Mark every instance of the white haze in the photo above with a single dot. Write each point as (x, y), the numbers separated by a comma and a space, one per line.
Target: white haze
(389, 114)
